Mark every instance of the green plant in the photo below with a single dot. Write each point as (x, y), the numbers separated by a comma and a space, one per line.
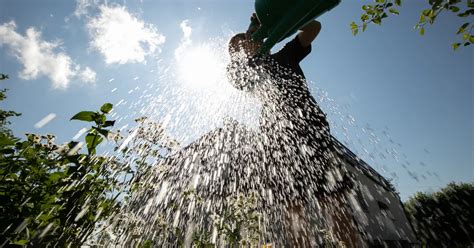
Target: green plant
(239, 223)
(54, 195)
(5, 133)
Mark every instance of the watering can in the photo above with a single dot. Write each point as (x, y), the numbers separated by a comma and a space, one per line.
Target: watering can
(281, 18)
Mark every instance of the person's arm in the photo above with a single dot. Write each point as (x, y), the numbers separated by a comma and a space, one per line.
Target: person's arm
(309, 32)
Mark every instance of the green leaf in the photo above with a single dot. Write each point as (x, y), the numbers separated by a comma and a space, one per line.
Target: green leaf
(92, 141)
(454, 8)
(394, 11)
(377, 20)
(6, 140)
(3, 76)
(353, 25)
(364, 26)
(462, 29)
(398, 2)
(106, 108)
(354, 28)
(13, 176)
(7, 151)
(85, 116)
(431, 13)
(72, 144)
(432, 19)
(100, 119)
(109, 123)
(56, 176)
(422, 31)
(470, 4)
(465, 14)
(471, 39)
(20, 242)
(422, 19)
(104, 132)
(456, 45)
(355, 31)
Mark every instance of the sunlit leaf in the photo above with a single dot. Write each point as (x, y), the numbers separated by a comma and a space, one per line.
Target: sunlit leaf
(394, 11)
(106, 108)
(456, 45)
(92, 141)
(85, 116)
(422, 31)
(463, 27)
(454, 8)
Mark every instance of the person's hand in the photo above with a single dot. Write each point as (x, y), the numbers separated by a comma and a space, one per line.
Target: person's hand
(309, 32)
(254, 19)
(254, 25)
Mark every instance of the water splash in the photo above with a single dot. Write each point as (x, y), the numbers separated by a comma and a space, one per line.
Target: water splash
(214, 165)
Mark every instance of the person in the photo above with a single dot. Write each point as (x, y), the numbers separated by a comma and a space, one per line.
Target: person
(296, 134)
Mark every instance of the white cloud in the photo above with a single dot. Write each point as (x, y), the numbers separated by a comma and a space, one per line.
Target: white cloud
(38, 57)
(185, 40)
(121, 37)
(187, 30)
(88, 75)
(82, 7)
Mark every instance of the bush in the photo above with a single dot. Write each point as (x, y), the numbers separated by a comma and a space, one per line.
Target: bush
(54, 195)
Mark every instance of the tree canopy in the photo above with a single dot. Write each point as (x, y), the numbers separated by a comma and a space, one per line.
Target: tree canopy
(444, 218)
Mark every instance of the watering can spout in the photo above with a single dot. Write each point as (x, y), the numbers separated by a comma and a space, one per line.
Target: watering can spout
(282, 18)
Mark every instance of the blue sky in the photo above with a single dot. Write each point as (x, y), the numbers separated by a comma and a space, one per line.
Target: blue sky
(402, 102)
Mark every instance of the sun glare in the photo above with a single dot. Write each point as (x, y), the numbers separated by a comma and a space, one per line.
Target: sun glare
(201, 66)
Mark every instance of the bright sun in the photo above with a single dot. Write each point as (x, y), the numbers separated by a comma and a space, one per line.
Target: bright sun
(201, 66)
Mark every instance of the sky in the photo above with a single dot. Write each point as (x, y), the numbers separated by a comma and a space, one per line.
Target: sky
(401, 101)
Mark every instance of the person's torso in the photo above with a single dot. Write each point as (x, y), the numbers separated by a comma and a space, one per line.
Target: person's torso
(289, 106)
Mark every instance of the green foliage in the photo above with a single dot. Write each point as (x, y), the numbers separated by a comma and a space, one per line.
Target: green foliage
(239, 224)
(444, 218)
(375, 13)
(3, 76)
(106, 108)
(54, 195)
(5, 133)
(85, 116)
(98, 133)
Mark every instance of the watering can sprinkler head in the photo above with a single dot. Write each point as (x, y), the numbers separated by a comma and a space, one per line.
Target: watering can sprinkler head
(241, 45)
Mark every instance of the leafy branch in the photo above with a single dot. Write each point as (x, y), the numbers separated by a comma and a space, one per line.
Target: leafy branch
(375, 13)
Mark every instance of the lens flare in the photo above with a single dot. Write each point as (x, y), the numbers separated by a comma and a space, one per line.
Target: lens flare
(201, 66)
